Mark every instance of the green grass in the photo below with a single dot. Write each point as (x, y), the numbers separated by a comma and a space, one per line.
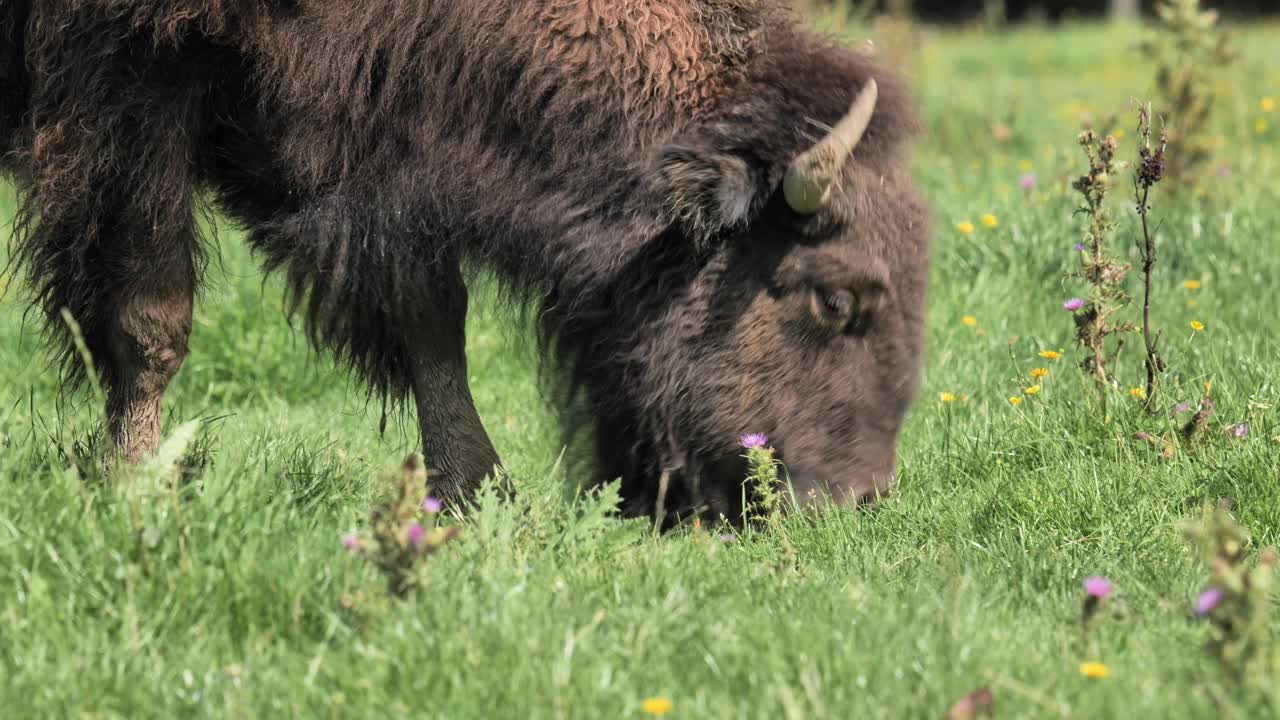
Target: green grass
(228, 600)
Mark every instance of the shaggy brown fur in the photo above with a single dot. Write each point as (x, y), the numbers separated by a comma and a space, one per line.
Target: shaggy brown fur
(614, 162)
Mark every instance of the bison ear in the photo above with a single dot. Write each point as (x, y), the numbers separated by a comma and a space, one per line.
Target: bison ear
(707, 190)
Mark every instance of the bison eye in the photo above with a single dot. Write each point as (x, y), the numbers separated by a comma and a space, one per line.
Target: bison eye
(832, 308)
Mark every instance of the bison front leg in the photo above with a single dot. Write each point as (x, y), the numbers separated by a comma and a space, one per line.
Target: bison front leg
(455, 446)
(147, 343)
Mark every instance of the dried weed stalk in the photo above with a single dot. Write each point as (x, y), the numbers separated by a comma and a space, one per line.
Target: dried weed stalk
(1149, 171)
(1104, 273)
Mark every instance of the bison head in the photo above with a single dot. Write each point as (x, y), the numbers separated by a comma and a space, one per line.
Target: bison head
(785, 300)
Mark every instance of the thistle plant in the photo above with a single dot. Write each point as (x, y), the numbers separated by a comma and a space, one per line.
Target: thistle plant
(762, 480)
(1104, 273)
(1097, 595)
(1198, 426)
(403, 530)
(1237, 599)
(1188, 49)
(1191, 432)
(1097, 591)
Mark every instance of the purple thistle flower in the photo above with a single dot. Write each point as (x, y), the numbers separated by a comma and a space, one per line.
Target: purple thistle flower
(1181, 408)
(1078, 247)
(1028, 182)
(1098, 587)
(1073, 304)
(432, 505)
(1240, 431)
(351, 542)
(753, 441)
(416, 535)
(1208, 600)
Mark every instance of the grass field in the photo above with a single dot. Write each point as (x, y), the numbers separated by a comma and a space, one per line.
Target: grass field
(226, 597)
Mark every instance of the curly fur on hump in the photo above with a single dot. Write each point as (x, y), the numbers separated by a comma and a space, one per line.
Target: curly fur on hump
(359, 143)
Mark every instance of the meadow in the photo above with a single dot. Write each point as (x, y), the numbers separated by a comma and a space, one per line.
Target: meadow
(230, 594)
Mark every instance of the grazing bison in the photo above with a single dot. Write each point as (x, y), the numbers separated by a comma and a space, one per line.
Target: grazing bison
(707, 206)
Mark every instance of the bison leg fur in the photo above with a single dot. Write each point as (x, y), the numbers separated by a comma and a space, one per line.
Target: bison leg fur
(147, 342)
(455, 446)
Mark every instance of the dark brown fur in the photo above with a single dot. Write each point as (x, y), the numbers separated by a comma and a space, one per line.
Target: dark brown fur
(614, 163)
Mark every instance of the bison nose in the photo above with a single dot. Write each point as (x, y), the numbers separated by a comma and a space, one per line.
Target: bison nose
(811, 489)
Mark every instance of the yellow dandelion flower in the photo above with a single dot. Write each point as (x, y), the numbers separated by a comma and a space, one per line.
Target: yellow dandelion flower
(1025, 165)
(1208, 386)
(1197, 326)
(1191, 285)
(1118, 134)
(989, 221)
(1267, 104)
(1016, 400)
(1051, 354)
(656, 706)
(965, 228)
(1032, 390)
(1094, 670)
(1260, 126)
(946, 397)
(969, 321)
(1037, 373)
(1139, 393)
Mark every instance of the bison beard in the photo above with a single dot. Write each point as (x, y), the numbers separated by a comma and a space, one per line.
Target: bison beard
(616, 165)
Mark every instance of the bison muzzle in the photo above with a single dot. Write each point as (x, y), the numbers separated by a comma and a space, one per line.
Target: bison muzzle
(707, 206)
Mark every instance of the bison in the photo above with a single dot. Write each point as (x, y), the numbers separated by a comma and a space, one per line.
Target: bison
(707, 208)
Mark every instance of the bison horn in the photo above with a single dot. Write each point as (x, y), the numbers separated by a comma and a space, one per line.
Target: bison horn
(811, 176)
